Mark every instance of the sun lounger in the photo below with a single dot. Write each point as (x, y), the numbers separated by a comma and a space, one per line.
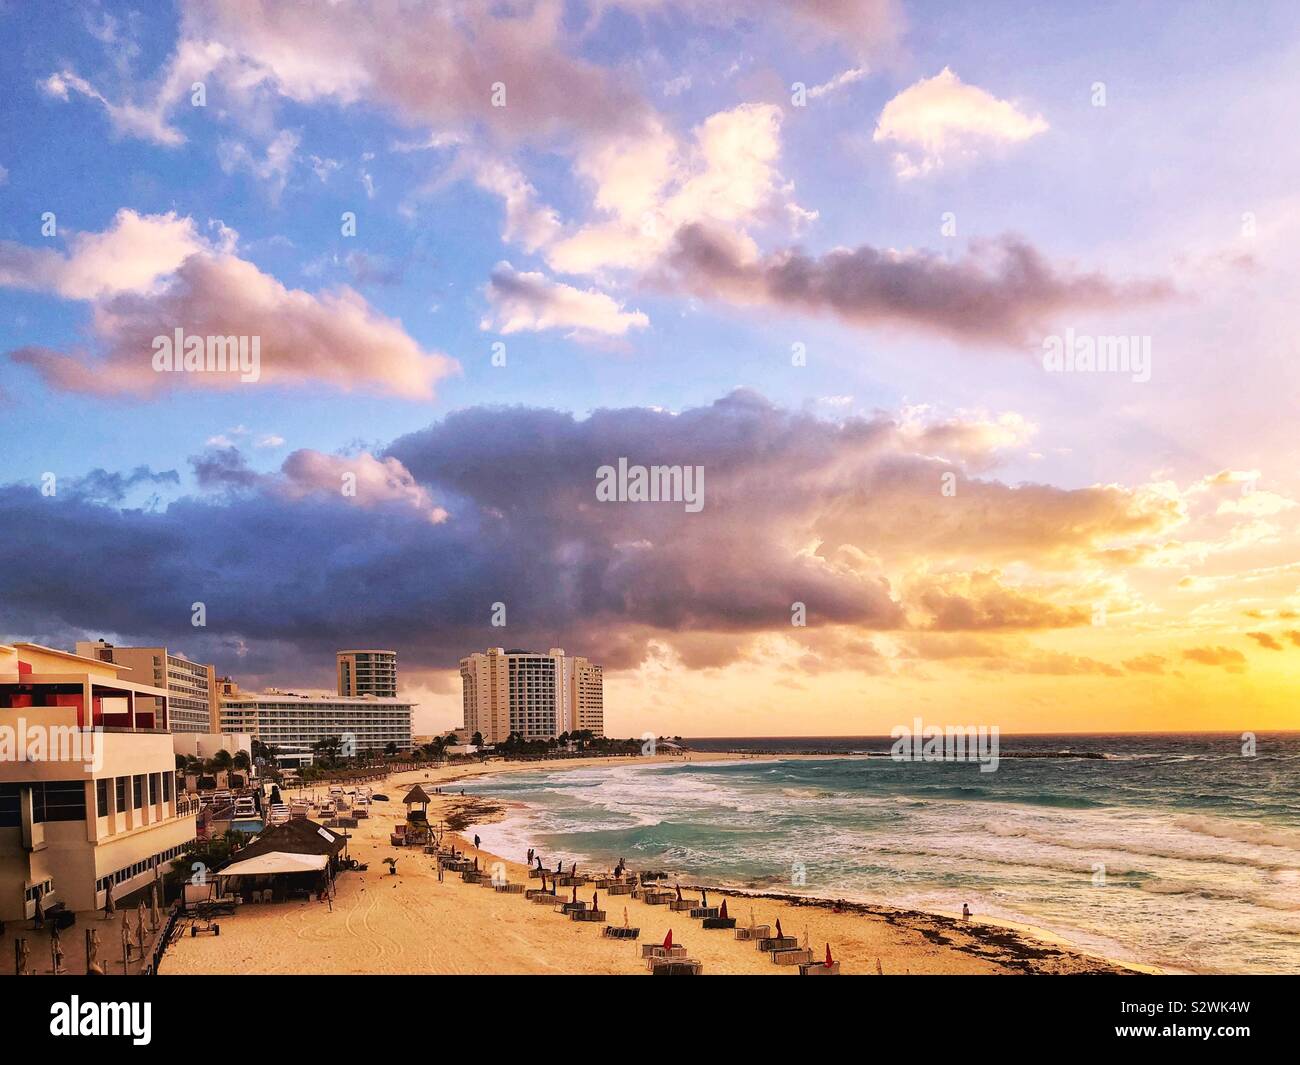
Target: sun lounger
(619, 889)
(610, 932)
(778, 943)
(682, 905)
(717, 922)
(670, 967)
(510, 889)
(796, 956)
(758, 931)
(543, 897)
(657, 950)
(657, 898)
(594, 916)
(571, 907)
(702, 912)
(820, 968)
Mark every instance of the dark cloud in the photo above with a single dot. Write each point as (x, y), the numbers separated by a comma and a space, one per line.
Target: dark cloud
(103, 486)
(1002, 292)
(499, 505)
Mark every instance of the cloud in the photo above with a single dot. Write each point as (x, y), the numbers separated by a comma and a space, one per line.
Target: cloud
(133, 254)
(649, 183)
(941, 119)
(434, 65)
(971, 602)
(149, 276)
(1148, 663)
(1002, 292)
(1231, 660)
(842, 516)
(1265, 640)
(272, 169)
(845, 77)
(191, 62)
(531, 302)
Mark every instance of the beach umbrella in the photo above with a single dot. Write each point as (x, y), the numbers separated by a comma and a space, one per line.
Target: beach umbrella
(704, 897)
(595, 900)
(108, 898)
(723, 912)
(829, 960)
(668, 940)
(625, 924)
(679, 892)
(779, 933)
(575, 892)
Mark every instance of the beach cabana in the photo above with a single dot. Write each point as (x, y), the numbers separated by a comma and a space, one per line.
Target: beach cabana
(417, 797)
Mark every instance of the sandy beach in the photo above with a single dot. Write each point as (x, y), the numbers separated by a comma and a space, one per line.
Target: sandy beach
(411, 923)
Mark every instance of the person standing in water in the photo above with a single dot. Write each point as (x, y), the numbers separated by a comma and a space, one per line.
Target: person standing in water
(965, 912)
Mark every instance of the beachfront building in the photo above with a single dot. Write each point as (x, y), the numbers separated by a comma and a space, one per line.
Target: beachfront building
(191, 685)
(539, 696)
(88, 794)
(287, 720)
(367, 673)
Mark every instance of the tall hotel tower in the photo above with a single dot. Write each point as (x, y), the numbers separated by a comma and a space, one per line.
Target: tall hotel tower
(539, 696)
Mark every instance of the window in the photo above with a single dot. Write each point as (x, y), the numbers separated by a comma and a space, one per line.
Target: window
(137, 791)
(167, 787)
(153, 789)
(101, 797)
(10, 816)
(121, 794)
(65, 800)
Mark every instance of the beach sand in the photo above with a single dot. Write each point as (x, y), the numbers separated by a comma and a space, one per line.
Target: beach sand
(411, 923)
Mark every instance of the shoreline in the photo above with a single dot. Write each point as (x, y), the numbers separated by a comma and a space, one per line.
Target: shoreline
(410, 921)
(1019, 939)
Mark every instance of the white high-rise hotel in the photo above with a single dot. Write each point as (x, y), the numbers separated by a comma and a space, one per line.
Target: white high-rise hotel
(539, 696)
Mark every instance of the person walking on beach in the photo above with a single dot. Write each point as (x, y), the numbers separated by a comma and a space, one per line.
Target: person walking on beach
(476, 841)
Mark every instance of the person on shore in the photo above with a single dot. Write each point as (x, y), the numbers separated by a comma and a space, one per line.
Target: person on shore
(965, 912)
(476, 847)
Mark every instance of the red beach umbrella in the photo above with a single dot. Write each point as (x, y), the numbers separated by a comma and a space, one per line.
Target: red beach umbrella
(723, 912)
(829, 960)
(668, 940)
(779, 933)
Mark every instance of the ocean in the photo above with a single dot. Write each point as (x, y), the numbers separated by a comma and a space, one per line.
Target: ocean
(1174, 851)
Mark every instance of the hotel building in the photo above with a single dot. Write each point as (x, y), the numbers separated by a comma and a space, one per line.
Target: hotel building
(539, 696)
(88, 793)
(367, 673)
(192, 686)
(285, 719)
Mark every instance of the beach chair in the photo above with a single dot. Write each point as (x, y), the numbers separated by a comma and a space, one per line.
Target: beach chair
(819, 968)
(701, 913)
(617, 888)
(675, 967)
(593, 916)
(610, 932)
(510, 889)
(795, 956)
(753, 932)
(650, 951)
(683, 905)
(772, 943)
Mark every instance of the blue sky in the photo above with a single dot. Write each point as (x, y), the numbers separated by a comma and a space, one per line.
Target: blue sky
(1134, 212)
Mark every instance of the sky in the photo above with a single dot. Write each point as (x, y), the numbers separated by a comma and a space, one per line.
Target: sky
(827, 253)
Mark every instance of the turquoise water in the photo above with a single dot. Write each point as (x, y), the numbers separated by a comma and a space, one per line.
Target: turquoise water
(1170, 851)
